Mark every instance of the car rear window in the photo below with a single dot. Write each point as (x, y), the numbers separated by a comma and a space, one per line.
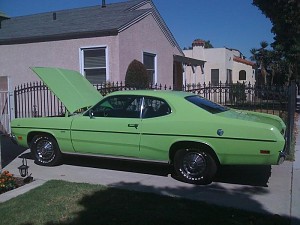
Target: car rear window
(206, 104)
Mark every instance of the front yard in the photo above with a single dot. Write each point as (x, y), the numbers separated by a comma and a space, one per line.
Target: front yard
(65, 203)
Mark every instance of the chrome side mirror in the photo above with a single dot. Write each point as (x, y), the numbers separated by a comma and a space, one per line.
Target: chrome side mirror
(91, 114)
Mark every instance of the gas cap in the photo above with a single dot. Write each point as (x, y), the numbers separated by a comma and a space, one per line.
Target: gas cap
(220, 132)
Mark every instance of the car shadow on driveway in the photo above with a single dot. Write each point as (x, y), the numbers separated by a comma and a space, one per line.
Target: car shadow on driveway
(256, 175)
(158, 169)
(244, 175)
(9, 150)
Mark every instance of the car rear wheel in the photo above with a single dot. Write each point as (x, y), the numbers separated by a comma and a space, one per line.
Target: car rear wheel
(45, 150)
(194, 166)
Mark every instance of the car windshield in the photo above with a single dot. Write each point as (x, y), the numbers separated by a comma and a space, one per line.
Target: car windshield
(206, 104)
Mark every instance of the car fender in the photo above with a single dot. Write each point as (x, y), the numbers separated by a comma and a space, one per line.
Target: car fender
(196, 143)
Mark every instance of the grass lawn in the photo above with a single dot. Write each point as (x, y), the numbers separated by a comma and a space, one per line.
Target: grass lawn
(65, 203)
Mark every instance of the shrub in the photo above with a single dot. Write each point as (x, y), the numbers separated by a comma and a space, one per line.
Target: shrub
(136, 75)
(7, 182)
(238, 93)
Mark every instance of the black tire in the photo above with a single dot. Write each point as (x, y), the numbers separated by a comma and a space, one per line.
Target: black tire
(45, 150)
(194, 166)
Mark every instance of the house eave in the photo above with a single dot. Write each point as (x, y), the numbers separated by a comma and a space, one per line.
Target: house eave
(188, 61)
(243, 61)
(159, 20)
(59, 37)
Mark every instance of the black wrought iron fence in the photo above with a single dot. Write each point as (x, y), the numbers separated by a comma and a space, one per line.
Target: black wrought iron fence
(268, 99)
(36, 100)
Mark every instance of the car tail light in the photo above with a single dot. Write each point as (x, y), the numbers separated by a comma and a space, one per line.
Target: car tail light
(265, 152)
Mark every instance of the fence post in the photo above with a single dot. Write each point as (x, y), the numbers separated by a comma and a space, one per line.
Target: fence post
(15, 102)
(291, 115)
(1, 152)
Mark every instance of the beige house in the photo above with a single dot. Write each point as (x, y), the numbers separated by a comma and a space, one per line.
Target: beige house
(221, 65)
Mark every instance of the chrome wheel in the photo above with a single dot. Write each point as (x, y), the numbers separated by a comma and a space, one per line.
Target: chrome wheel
(193, 165)
(45, 150)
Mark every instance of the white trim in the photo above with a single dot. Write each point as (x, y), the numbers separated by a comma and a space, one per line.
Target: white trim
(81, 58)
(137, 19)
(184, 73)
(155, 66)
(81, 61)
(139, 5)
(107, 64)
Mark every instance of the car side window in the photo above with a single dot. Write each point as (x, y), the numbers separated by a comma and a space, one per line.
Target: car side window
(154, 107)
(121, 106)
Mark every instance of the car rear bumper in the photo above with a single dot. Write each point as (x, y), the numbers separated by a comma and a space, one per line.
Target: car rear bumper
(13, 139)
(281, 157)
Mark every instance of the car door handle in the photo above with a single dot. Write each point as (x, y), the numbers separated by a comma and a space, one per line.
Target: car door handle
(135, 125)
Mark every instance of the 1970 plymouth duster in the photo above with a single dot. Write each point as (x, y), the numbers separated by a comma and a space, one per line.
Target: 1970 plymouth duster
(189, 132)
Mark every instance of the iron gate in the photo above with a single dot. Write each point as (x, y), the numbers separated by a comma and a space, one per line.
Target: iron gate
(5, 111)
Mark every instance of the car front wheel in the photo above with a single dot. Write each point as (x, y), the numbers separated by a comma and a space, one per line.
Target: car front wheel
(194, 166)
(45, 150)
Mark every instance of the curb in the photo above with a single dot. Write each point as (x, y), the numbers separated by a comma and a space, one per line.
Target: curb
(21, 190)
(295, 193)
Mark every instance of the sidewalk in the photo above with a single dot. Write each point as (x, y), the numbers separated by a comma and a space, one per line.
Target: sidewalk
(295, 195)
(280, 195)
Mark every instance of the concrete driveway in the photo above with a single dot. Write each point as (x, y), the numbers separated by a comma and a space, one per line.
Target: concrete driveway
(265, 189)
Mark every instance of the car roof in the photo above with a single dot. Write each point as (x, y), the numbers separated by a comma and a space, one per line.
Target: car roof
(154, 93)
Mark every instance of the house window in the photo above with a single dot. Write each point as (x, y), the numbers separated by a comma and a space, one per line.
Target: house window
(242, 75)
(215, 77)
(94, 64)
(229, 76)
(150, 64)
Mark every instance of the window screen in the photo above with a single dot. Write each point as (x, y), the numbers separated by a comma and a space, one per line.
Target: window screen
(149, 62)
(94, 65)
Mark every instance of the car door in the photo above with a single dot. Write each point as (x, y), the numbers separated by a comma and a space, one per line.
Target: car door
(157, 131)
(112, 127)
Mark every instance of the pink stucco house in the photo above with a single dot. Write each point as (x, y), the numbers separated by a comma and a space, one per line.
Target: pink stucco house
(99, 41)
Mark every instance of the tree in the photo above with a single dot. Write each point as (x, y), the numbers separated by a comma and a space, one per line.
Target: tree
(285, 17)
(136, 75)
(271, 63)
(208, 44)
(278, 66)
(260, 56)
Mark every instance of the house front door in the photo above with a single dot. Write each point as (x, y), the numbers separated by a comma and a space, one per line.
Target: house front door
(177, 76)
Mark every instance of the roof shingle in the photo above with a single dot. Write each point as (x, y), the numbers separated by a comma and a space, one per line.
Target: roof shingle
(71, 23)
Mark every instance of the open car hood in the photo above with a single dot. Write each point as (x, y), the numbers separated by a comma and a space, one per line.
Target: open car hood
(72, 89)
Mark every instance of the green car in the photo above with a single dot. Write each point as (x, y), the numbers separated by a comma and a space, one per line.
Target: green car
(189, 132)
